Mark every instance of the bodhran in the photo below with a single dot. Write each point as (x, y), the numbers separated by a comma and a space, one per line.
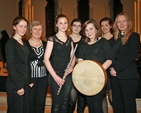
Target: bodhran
(89, 77)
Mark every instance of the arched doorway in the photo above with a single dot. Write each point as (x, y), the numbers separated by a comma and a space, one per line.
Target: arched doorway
(83, 10)
(50, 18)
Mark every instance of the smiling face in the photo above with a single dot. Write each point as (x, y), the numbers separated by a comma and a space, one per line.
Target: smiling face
(90, 31)
(105, 27)
(36, 31)
(20, 28)
(62, 24)
(122, 23)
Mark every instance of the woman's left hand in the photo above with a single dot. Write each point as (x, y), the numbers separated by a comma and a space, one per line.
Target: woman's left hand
(69, 70)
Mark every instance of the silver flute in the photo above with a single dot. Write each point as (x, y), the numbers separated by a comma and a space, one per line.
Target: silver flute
(64, 76)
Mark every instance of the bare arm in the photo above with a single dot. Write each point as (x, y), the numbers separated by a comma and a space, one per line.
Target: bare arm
(106, 64)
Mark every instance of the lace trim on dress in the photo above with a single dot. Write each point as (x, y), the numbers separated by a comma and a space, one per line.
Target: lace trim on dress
(54, 38)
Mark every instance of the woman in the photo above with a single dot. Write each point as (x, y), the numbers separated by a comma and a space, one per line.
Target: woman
(124, 72)
(37, 71)
(57, 56)
(16, 59)
(97, 49)
(106, 28)
(76, 26)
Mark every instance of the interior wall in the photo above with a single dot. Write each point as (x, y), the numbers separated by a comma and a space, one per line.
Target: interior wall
(35, 10)
(99, 9)
(133, 9)
(8, 11)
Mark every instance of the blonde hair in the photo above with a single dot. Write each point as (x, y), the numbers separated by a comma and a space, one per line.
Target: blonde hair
(35, 23)
(128, 31)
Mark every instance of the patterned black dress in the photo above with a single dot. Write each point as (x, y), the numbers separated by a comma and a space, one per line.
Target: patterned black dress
(59, 59)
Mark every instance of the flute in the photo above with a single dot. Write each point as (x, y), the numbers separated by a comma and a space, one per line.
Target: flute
(64, 76)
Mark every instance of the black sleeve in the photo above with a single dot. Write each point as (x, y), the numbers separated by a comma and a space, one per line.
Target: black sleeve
(81, 51)
(10, 60)
(131, 53)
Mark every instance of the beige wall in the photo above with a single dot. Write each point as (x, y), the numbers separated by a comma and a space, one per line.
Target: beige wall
(98, 10)
(8, 11)
(133, 9)
(35, 10)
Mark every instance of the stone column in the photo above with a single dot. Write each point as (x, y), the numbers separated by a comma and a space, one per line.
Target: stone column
(128, 8)
(138, 14)
(99, 9)
(38, 13)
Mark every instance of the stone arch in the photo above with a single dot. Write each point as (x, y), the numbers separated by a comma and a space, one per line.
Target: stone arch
(50, 14)
(118, 7)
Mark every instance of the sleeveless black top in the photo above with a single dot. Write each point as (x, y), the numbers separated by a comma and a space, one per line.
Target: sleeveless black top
(60, 54)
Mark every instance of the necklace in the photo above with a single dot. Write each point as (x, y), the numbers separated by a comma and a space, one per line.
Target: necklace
(36, 43)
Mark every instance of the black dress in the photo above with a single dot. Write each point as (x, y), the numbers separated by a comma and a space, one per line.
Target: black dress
(79, 45)
(99, 51)
(111, 42)
(59, 59)
(16, 59)
(75, 94)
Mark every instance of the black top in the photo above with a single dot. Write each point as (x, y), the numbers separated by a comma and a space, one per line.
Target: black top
(36, 65)
(111, 42)
(99, 51)
(124, 60)
(60, 54)
(79, 45)
(16, 59)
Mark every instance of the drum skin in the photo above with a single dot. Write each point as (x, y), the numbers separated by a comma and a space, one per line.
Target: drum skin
(89, 77)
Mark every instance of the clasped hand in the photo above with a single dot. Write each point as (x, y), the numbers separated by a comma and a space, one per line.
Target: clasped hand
(112, 71)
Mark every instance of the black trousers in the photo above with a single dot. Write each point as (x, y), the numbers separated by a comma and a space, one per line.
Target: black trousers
(124, 95)
(60, 102)
(37, 95)
(76, 96)
(95, 103)
(81, 103)
(16, 103)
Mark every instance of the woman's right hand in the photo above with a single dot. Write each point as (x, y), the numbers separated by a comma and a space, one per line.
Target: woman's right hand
(59, 80)
(20, 92)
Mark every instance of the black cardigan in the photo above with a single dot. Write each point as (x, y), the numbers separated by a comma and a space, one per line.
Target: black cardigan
(16, 59)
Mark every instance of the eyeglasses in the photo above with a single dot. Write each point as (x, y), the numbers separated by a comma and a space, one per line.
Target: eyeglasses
(78, 26)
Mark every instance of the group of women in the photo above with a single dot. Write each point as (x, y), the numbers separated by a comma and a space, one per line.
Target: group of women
(27, 82)
(33, 64)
